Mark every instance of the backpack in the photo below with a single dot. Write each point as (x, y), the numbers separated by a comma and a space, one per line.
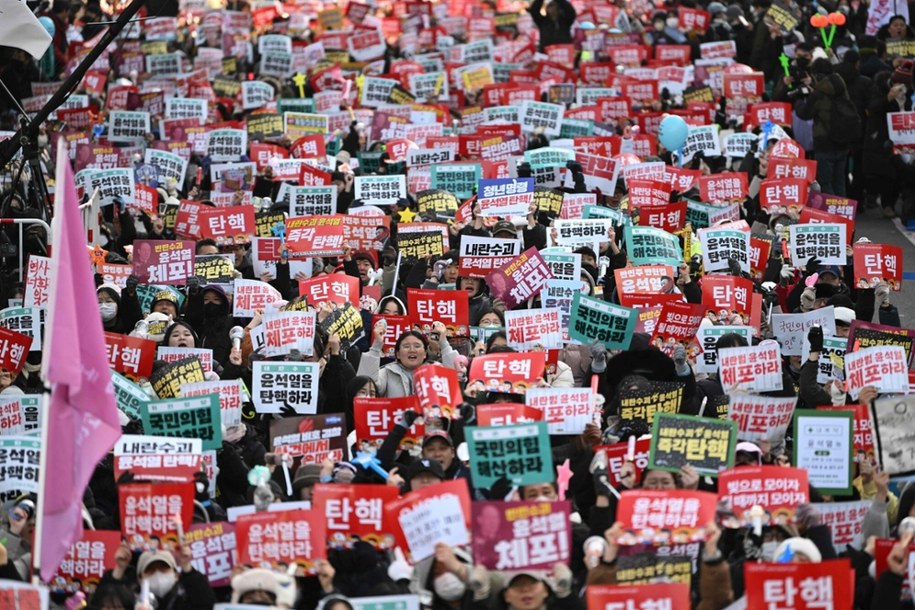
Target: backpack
(846, 127)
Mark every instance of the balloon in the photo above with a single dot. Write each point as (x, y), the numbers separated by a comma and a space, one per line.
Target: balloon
(836, 19)
(819, 21)
(672, 132)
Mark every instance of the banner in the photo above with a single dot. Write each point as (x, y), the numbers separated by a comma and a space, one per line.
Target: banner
(520, 454)
(310, 439)
(437, 389)
(285, 384)
(597, 320)
(530, 329)
(761, 418)
(281, 538)
(705, 444)
(519, 280)
(196, 417)
(507, 373)
(438, 513)
(148, 511)
(375, 418)
(662, 517)
(354, 512)
(803, 586)
(779, 490)
(755, 368)
(163, 262)
(565, 410)
(521, 535)
(876, 263)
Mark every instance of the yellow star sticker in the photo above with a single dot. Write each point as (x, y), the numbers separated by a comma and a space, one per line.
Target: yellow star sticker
(299, 80)
(406, 215)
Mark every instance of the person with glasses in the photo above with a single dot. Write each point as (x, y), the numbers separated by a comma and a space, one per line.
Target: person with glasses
(395, 380)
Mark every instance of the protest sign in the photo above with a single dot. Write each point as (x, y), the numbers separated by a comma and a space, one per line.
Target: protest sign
(801, 585)
(438, 202)
(312, 200)
(336, 288)
(519, 453)
(230, 398)
(756, 368)
(173, 354)
(831, 363)
(375, 417)
(720, 246)
(644, 279)
(344, 321)
(450, 307)
(534, 328)
(866, 334)
(19, 459)
(214, 269)
(643, 597)
(779, 490)
(166, 380)
(656, 397)
(646, 245)
(708, 337)
(505, 197)
(417, 240)
(511, 373)
(163, 262)
(506, 414)
(479, 256)
(196, 417)
(148, 511)
(354, 512)
(892, 419)
(791, 328)
(462, 179)
(884, 368)
(661, 517)
(37, 276)
(27, 321)
(876, 263)
(597, 320)
(310, 439)
(212, 547)
(845, 521)
(521, 535)
(761, 417)
(315, 236)
(577, 232)
(825, 242)
(394, 327)
(88, 558)
(285, 331)
(705, 444)
(282, 537)
(649, 567)
(565, 410)
(520, 279)
(130, 355)
(285, 384)
(252, 295)
(863, 441)
(677, 325)
(437, 390)
(20, 415)
(381, 190)
(823, 446)
(438, 513)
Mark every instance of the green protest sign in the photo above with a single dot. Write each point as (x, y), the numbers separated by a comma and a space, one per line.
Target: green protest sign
(458, 178)
(650, 246)
(597, 320)
(704, 443)
(519, 453)
(130, 396)
(196, 417)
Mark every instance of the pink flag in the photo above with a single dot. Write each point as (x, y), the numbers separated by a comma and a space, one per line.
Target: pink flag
(82, 422)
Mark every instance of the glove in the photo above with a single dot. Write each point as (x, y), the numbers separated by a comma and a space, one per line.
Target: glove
(132, 282)
(407, 417)
(815, 337)
(679, 358)
(598, 358)
(193, 284)
(812, 265)
(479, 583)
(837, 394)
(734, 267)
(808, 297)
(882, 294)
(468, 414)
(787, 272)
(562, 580)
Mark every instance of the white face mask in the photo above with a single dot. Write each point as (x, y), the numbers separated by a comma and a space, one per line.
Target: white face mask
(108, 311)
(449, 587)
(672, 22)
(768, 551)
(43, 140)
(161, 583)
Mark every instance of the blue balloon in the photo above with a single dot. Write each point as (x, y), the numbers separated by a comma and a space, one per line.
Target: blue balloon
(672, 132)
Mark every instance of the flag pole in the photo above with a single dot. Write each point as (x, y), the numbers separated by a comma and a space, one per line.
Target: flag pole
(40, 500)
(11, 146)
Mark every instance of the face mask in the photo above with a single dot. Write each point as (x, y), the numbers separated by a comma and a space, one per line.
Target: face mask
(42, 141)
(672, 22)
(768, 551)
(108, 311)
(802, 63)
(161, 583)
(449, 587)
(212, 309)
(659, 25)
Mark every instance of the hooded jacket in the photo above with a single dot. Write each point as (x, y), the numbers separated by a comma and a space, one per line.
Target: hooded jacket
(819, 106)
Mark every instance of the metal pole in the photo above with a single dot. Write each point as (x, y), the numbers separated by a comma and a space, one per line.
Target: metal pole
(9, 147)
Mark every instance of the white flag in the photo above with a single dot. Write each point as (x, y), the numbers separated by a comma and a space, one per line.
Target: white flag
(21, 29)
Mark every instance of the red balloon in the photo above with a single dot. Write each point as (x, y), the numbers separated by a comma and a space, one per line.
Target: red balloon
(819, 21)
(837, 19)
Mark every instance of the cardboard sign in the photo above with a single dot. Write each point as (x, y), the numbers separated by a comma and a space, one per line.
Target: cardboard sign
(437, 390)
(507, 373)
(823, 241)
(761, 417)
(719, 246)
(479, 256)
(677, 325)
(148, 510)
(212, 548)
(281, 537)
(705, 444)
(519, 453)
(804, 586)
(876, 263)
(230, 397)
(163, 262)
(534, 328)
(196, 417)
(646, 246)
(661, 517)
(438, 513)
(519, 280)
(310, 439)
(884, 367)
(88, 558)
(375, 417)
(252, 295)
(167, 380)
(285, 384)
(660, 397)
(315, 236)
(779, 490)
(823, 446)
(521, 535)
(597, 320)
(565, 410)
(354, 512)
(755, 368)
(14, 348)
(450, 307)
(285, 331)
(895, 445)
(612, 597)
(130, 355)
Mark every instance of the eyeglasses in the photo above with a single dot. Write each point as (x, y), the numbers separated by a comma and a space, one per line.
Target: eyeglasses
(412, 347)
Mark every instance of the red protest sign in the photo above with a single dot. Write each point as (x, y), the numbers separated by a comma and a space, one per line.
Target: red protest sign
(521, 535)
(783, 195)
(130, 355)
(648, 192)
(437, 389)
(354, 512)
(876, 263)
(450, 307)
(281, 537)
(315, 236)
(509, 373)
(145, 199)
(726, 295)
(334, 288)
(438, 513)
(693, 19)
(163, 262)
(641, 280)
(840, 206)
(802, 586)
(863, 430)
(619, 453)
(507, 414)
(149, 509)
(677, 325)
(669, 217)
(613, 597)
(810, 216)
(662, 517)
(229, 225)
(14, 347)
(777, 112)
(798, 169)
(786, 147)
(394, 327)
(309, 147)
(759, 256)
(375, 417)
(520, 279)
(212, 548)
(744, 85)
(778, 490)
(87, 559)
(724, 187)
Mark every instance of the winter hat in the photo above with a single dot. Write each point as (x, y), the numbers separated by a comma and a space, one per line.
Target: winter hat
(734, 11)
(165, 295)
(903, 73)
(150, 557)
(307, 474)
(113, 290)
(257, 579)
(786, 551)
(716, 8)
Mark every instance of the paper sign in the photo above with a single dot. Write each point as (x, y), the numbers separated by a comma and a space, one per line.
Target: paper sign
(196, 417)
(565, 410)
(823, 446)
(521, 535)
(804, 586)
(612, 597)
(519, 280)
(876, 263)
(438, 513)
(705, 444)
(791, 328)
(755, 368)
(660, 397)
(479, 256)
(777, 489)
(534, 328)
(212, 548)
(130, 355)
(310, 439)
(163, 262)
(285, 384)
(507, 372)
(375, 417)
(148, 510)
(19, 458)
(708, 337)
(282, 537)
(661, 517)
(823, 241)
(520, 454)
(761, 417)
(437, 390)
(597, 320)
(354, 512)
(884, 368)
